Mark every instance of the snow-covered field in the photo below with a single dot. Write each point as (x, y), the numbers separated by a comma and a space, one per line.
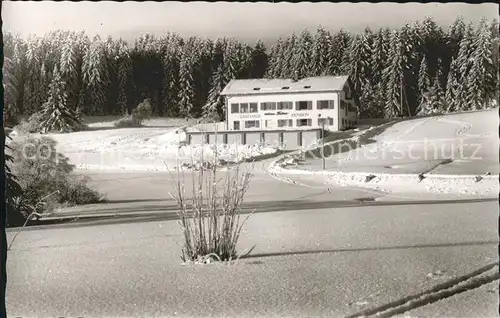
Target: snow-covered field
(155, 147)
(449, 150)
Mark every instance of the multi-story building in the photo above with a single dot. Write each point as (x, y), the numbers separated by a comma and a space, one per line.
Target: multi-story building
(283, 104)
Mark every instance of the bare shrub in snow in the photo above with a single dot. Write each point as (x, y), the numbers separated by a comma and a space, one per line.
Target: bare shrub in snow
(210, 215)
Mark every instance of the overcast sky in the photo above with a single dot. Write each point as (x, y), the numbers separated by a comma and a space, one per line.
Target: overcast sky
(247, 21)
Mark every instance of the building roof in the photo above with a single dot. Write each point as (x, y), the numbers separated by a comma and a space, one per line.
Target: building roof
(284, 85)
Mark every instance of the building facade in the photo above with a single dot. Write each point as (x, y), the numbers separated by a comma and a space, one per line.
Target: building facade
(290, 104)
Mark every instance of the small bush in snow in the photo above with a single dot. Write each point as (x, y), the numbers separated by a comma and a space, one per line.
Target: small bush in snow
(77, 192)
(143, 111)
(210, 214)
(127, 121)
(31, 125)
(139, 114)
(40, 170)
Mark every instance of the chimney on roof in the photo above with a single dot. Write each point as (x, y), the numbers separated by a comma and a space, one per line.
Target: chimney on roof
(295, 76)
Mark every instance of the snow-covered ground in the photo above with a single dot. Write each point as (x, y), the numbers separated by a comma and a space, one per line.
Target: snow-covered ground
(156, 148)
(449, 150)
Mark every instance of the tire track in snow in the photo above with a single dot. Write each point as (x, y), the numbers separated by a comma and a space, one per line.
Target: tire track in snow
(408, 131)
(462, 131)
(381, 145)
(445, 290)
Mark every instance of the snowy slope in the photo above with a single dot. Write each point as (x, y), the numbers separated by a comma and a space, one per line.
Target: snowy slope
(439, 147)
(143, 149)
(469, 140)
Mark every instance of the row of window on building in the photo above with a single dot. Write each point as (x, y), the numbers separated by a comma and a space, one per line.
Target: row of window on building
(282, 123)
(299, 105)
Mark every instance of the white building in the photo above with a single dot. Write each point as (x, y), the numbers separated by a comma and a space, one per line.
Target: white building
(283, 104)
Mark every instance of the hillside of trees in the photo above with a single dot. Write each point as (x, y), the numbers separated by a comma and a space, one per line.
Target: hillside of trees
(418, 68)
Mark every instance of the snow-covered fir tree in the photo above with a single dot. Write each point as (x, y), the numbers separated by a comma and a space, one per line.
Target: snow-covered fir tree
(378, 62)
(424, 81)
(101, 81)
(215, 102)
(455, 35)
(289, 50)
(466, 50)
(186, 93)
(393, 78)
(274, 69)
(55, 114)
(124, 73)
(357, 63)
(260, 60)
(171, 73)
(433, 101)
(452, 95)
(320, 52)
(95, 76)
(302, 59)
(482, 74)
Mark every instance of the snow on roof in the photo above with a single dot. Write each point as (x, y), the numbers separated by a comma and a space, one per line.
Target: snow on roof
(284, 85)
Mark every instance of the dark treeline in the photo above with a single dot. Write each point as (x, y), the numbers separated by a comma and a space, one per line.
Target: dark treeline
(418, 68)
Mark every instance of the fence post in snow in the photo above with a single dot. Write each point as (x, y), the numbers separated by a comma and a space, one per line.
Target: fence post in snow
(216, 148)
(323, 144)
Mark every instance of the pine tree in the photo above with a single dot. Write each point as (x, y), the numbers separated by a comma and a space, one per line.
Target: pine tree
(302, 57)
(432, 37)
(215, 102)
(71, 66)
(357, 64)
(378, 62)
(424, 81)
(370, 102)
(452, 89)
(124, 76)
(379, 52)
(438, 105)
(231, 62)
(55, 115)
(320, 52)
(337, 52)
(260, 60)
(244, 58)
(95, 76)
(465, 52)
(186, 93)
(455, 35)
(393, 77)
(36, 89)
(18, 72)
(464, 63)
(495, 34)
(10, 92)
(434, 99)
(289, 49)
(275, 67)
(482, 74)
(171, 72)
